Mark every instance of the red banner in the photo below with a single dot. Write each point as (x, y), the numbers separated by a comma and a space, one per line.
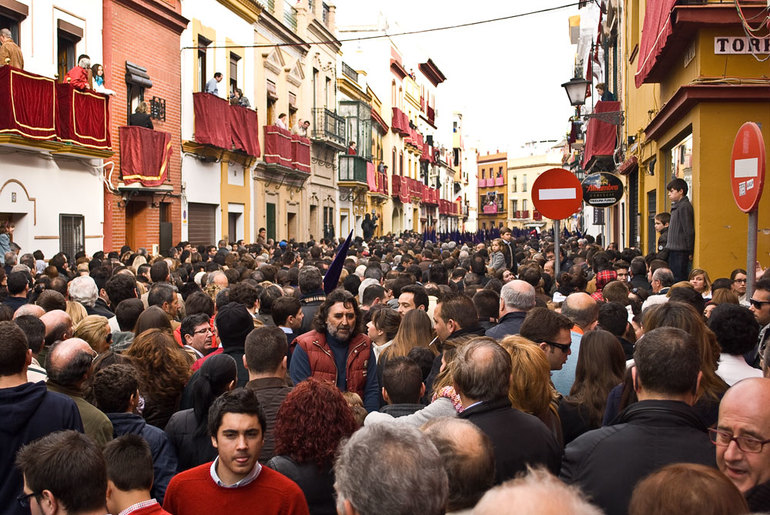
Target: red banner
(145, 155)
(278, 146)
(601, 136)
(29, 104)
(300, 153)
(82, 117)
(212, 121)
(245, 129)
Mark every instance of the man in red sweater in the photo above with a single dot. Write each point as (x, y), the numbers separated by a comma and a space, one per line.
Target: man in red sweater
(235, 482)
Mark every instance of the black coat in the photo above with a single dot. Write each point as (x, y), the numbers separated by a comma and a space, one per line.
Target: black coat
(316, 483)
(608, 462)
(508, 325)
(518, 439)
(191, 449)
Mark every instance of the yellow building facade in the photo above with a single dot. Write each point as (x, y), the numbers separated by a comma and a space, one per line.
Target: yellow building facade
(699, 87)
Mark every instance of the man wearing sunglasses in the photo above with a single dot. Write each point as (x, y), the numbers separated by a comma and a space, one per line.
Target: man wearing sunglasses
(551, 331)
(760, 306)
(741, 439)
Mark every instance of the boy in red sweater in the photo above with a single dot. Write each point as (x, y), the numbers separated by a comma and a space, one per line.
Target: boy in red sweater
(129, 477)
(235, 482)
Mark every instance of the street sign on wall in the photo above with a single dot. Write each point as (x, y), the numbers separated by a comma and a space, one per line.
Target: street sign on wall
(747, 166)
(602, 189)
(557, 194)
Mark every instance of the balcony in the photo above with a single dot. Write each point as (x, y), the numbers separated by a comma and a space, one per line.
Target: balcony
(601, 138)
(224, 126)
(499, 181)
(537, 216)
(430, 196)
(38, 113)
(328, 128)
(400, 122)
(352, 169)
(401, 189)
(286, 152)
(145, 156)
(525, 214)
(349, 72)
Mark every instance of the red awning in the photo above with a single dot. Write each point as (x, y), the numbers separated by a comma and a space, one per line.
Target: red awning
(378, 119)
(601, 136)
(628, 166)
(655, 32)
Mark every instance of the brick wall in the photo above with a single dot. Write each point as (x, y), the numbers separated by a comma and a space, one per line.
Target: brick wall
(134, 31)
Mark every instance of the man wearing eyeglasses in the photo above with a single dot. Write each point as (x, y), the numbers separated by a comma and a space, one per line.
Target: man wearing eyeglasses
(197, 335)
(551, 331)
(741, 440)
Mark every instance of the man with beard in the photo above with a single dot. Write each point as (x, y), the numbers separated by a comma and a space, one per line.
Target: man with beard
(337, 350)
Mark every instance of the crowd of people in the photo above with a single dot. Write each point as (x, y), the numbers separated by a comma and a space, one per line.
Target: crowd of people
(393, 376)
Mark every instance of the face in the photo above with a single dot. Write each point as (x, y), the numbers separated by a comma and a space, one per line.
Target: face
(548, 268)
(659, 225)
(34, 504)
(550, 256)
(675, 195)
(506, 236)
(405, 303)
(340, 321)
(200, 340)
(762, 313)
(622, 274)
(443, 329)
(100, 71)
(173, 308)
(372, 331)
(743, 415)
(495, 247)
(698, 282)
(263, 233)
(238, 441)
(508, 276)
(739, 284)
(557, 357)
(298, 318)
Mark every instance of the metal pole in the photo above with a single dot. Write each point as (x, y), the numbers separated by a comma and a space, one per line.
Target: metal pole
(606, 228)
(556, 249)
(751, 252)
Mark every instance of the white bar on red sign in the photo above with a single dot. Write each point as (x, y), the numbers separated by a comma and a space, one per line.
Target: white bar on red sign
(557, 194)
(746, 168)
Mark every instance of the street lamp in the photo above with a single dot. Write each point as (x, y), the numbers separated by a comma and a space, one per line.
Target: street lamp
(576, 90)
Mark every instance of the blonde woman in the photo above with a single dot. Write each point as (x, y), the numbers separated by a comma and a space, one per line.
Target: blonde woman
(95, 329)
(76, 311)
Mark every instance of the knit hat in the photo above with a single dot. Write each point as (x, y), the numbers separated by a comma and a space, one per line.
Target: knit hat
(234, 323)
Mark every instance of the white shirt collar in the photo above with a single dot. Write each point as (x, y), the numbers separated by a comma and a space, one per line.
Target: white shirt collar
(243, 482)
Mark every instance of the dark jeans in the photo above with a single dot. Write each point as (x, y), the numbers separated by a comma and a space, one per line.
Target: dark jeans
(679, 262)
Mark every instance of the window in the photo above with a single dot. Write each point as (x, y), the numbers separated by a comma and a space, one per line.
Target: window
(393, 162)
(401, 163)
(71, 234)
(680, 163)
(201, 62)
(514, 185)
(483, 173)
(234, 58)
(524, 184)
(524, 206)
(327, 91)
(67, 37)
(315, 88)
(514, 205)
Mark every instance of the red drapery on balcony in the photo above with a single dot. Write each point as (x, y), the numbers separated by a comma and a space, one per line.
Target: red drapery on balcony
(400, 123)
(601, 136)
(29, 104)
(300, 153)
(371, 179)
(82, 117)
(655, 32)
(244, 126)
(278, 146)
(212, 121)
(145, 155)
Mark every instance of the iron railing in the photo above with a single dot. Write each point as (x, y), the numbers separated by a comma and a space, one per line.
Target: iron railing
(328, 126)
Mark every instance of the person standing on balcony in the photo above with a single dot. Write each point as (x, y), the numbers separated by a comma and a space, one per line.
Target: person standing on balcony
(79, 75)
(301, 128)
(281, 121)
(352, 148)
(212, 86)
(10, 53)
(97, 72)
(141, 117)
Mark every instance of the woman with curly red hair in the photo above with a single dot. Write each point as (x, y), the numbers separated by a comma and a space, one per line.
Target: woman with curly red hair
(310, 424)
(163, 373)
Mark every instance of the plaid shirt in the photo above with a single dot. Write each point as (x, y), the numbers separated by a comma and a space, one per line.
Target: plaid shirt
(604, 277)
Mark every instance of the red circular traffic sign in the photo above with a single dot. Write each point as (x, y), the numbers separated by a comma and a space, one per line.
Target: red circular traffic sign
(747, 166)
(557, 194)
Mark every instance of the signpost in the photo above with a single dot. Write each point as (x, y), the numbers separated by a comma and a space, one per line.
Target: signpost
(557, 194)
(747, 177)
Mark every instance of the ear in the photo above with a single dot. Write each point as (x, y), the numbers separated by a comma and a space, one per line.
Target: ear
(48, 502)
(214, 442)
(283, 363)
(385, 396)
(110, 489)
(28, 358)
(543, 346)
(422, 390)
(347, 509)
(188, 340)
(245, 365)
(635, 379)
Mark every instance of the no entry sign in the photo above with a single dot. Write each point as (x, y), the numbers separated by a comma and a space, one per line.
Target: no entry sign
(557, 194)
(747, 166)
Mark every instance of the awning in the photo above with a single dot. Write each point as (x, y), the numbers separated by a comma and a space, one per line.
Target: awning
(378, 119)
(628, 166)
(600, 136)
(655, 32)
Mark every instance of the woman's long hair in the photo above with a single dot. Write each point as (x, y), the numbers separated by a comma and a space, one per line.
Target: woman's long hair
(160, 363)
(216, 375)
(601, 364)
(415, 331)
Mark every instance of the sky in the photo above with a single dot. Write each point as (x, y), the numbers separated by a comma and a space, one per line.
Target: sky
(504, 76)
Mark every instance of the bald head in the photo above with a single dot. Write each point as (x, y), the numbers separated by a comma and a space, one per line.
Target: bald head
(29, 309)
(517, 295)
(58, 326)
(743, 412)
(69, 362)
(468, 458)
(582, 310)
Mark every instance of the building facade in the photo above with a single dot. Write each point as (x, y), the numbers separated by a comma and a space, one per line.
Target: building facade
(492, 190)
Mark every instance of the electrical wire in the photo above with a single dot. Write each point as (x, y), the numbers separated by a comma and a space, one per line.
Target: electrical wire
(383, 36)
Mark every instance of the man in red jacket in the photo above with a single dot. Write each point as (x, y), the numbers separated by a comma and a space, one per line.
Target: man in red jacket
(79, 76)
(336, 350)
(235, 482)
